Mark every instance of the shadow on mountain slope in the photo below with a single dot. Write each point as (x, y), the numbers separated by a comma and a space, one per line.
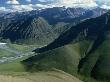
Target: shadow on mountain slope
(68, 54)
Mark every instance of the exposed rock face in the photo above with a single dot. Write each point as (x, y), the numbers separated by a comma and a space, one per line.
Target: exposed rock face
(42, 26)
(26, 27)
(96, 56)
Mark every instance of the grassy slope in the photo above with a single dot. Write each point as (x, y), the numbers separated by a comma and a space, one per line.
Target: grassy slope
(5, 53)
(103, 61)
(62, 58)
(23, 47)
(97, 63)
(16, 64)
(50, 76)
(65, 58)
(53, 59)
(15, 71)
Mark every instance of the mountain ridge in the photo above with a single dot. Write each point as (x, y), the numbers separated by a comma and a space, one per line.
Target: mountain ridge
(58, 19)
(93, 34)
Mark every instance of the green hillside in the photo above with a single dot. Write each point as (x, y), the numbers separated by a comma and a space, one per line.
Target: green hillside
(65, 58)
(97, 63)
(82, 49)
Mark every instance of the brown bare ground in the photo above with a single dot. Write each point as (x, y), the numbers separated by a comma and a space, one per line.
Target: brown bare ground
(13, 79)
(50, 76)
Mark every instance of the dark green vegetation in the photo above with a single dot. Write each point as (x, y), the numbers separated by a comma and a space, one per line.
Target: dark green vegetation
(81, 49)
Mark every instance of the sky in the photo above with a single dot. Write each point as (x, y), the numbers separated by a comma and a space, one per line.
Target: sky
(28, 5)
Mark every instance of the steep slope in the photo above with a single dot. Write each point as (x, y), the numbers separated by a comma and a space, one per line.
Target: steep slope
(89, 29)
(68, 15)
(59, 17)
(31, 29)
(26, 26)
(63, 58)
(97, 63)
(94, 35)
(97, 59)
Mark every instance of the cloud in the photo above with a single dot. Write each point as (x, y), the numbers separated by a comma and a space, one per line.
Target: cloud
(29, 0)
(12, 2)
(4, 9)
(40, 6)
(14, 5)
(47, 0)
(77, 3)
(105, 4)
(21, 8)
(105, 7)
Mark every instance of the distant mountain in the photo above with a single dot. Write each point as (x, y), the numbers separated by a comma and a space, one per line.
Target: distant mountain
(43, 25)
(27, 28)
(86, 44)
(79, 30)
(60, 16)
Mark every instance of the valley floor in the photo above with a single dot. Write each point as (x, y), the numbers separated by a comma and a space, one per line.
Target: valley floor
(11, 70)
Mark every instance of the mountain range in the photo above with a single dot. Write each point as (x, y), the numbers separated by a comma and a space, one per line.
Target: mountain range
(71, 36)
(47, 23)
(83, 48)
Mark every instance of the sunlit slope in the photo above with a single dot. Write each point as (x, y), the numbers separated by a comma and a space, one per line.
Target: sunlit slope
(13, 79)
(93, 36)
(65, 58)
(97, 63)
(50, 76)
(11, 56)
